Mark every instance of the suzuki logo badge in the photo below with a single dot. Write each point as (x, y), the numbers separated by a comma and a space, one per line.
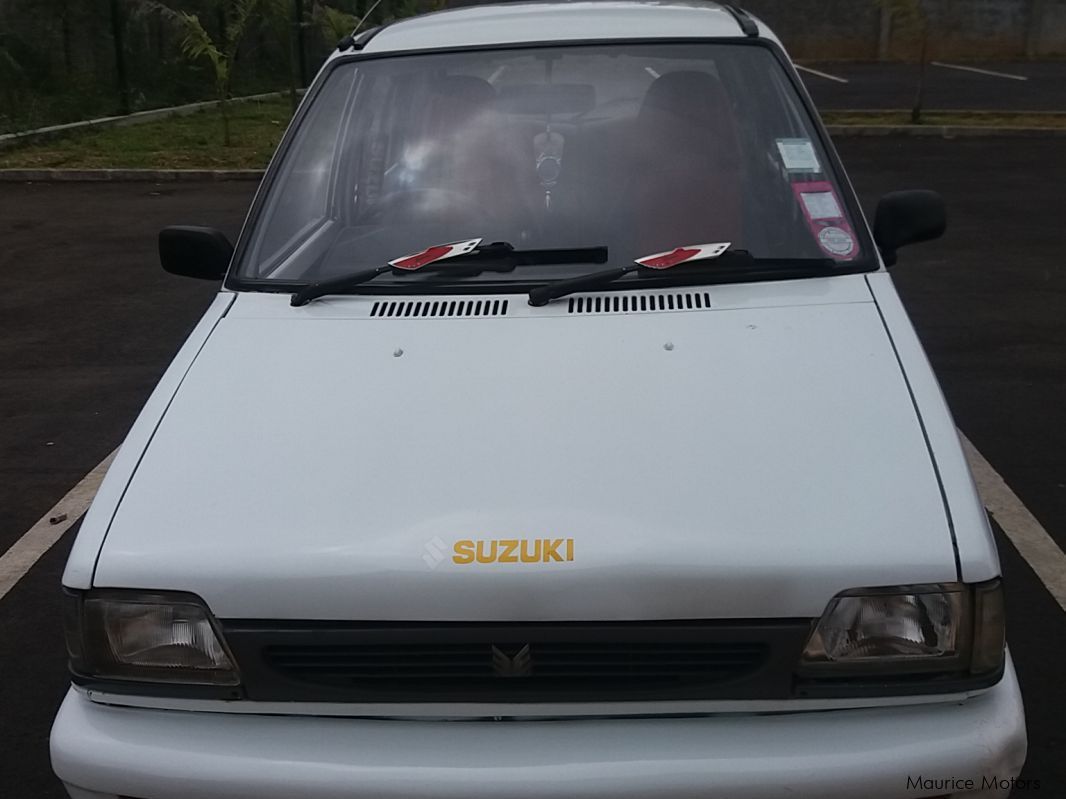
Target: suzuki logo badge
(520, 664)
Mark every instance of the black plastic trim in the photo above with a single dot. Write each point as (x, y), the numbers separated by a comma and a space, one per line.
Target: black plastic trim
(357, 41)
(771, 678)
(910, 685)
(746, 23)
(158, 689)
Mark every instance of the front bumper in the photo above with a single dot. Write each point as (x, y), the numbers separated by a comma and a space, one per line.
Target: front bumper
(101, 752)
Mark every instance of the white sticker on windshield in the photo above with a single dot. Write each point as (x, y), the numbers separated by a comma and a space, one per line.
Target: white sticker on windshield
(798, 155)
(821, 205)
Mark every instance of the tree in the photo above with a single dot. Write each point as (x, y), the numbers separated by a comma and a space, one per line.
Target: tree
(912, 17)
(118, 35)
(10, 77)
(284, 22)
(197, 43)
(9, 67)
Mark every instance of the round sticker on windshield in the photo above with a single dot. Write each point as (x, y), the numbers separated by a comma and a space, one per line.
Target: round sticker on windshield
(836, 241)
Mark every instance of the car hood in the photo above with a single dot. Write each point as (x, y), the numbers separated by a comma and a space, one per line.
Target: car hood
(746, 460)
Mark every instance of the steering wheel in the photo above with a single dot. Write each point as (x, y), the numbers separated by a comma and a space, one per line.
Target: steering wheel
(439, 202)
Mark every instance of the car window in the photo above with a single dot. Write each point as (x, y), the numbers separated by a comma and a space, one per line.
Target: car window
(293, 214)
(637, 147)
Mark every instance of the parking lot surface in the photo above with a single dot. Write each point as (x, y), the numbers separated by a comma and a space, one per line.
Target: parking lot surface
(993, 86)
(88, 323)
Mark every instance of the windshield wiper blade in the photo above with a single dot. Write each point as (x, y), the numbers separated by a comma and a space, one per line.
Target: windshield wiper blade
(456, 253)
(727, 263)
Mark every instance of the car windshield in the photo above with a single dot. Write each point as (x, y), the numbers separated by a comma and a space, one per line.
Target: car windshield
(637, 147)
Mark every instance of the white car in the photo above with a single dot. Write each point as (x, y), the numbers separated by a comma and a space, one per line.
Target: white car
(558, 432)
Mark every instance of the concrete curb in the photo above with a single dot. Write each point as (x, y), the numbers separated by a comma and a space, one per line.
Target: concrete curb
(941, 131)
(125, 175)
(8, 140)
(974, 112)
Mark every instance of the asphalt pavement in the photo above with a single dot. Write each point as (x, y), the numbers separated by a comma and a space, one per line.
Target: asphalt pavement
(88, 323)
(995, 86)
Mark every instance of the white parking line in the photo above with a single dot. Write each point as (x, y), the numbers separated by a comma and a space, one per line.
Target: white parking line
(651, 72)
(979, 71)
(25, 552)
(495, 75)
(825, 75)
(1025, 532)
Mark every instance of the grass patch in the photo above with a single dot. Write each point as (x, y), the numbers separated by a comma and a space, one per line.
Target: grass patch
(193, 141)
(990, 119)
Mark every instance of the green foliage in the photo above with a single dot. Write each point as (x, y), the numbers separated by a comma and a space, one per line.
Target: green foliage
(334, 23)
(398, 9)
(58, 59)
(198, 44)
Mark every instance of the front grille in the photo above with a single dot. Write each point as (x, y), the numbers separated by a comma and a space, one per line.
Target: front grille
(321, 661)
(545, 666)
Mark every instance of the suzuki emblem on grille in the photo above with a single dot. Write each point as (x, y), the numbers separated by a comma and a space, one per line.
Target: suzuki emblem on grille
(520, 664)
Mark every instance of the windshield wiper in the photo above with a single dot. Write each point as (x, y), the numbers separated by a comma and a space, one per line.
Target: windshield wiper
(727, 264)
(471, 251)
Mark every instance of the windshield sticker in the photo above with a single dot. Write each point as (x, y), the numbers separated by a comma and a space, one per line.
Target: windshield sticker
(681, 255)
(836, 241)
(433, 254)
(798, 155)
(825, 218)
(821, 205)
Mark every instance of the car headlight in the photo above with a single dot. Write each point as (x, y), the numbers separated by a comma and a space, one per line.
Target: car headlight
(912, 629)
(153, 637)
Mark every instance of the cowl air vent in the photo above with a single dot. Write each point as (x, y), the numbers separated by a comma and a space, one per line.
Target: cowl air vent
(424, 309)
(642, 303)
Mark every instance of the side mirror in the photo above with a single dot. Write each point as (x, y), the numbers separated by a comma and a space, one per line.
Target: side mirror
(908, 217)
(201, 252)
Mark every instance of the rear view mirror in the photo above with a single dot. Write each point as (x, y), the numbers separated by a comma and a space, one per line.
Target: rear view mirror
(552, 98)
(200, 252)
(908, 217)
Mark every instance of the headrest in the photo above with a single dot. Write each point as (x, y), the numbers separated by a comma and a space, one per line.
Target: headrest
(697, 97)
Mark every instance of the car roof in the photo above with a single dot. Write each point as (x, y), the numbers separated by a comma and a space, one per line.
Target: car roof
(562, 20)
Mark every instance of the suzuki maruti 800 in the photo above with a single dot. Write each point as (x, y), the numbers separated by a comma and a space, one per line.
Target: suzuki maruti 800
(557, 432)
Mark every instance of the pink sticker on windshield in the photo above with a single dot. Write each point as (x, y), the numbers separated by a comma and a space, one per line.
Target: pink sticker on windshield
(433, 254)
(681, 255)
(825, 218)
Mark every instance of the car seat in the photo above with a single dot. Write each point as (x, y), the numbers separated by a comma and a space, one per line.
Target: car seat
(686, 186)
